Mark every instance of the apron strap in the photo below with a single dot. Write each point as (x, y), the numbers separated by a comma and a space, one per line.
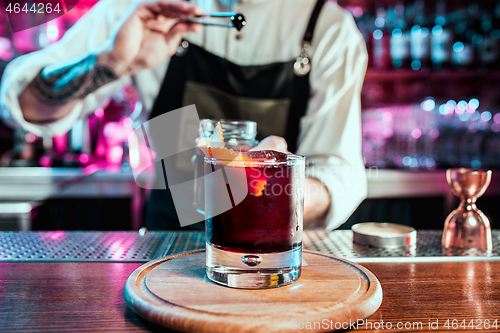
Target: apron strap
(171, 92)
(301, 87)
(312, 21)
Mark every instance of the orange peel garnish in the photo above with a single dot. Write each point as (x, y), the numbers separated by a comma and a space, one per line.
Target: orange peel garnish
(229, 157)
(220, 130)
(220, 153)
(257, 187)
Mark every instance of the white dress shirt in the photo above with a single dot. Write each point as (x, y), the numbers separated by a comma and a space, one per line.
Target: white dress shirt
(330, 131)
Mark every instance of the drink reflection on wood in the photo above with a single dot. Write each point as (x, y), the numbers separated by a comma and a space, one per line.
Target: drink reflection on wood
(73, 295)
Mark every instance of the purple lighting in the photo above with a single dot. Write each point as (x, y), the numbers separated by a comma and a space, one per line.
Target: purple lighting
(434, 133)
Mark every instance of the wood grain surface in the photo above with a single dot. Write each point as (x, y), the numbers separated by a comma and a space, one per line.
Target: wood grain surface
(88, 297)
(173, 292)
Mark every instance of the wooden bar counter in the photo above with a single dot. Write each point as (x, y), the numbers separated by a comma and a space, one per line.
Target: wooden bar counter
(88, 297)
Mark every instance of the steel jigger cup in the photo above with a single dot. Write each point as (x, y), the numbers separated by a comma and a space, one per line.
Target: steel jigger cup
(467, 227)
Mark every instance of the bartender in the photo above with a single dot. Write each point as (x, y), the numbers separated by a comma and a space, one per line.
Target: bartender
(296, 68)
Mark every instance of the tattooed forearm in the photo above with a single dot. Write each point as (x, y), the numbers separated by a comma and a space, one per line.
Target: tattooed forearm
(56, 86)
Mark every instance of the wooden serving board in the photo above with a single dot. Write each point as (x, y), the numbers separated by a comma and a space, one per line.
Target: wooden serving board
(175, 293)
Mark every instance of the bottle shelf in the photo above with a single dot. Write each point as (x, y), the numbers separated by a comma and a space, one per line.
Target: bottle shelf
(374, 75)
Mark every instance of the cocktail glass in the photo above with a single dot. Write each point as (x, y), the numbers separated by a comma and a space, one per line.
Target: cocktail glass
(256, 242)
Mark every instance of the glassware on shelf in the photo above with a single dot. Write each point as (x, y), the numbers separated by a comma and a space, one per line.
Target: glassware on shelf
(432, 134)
(467, 226)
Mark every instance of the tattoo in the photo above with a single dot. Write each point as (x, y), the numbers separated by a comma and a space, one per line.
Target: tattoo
(56, 85)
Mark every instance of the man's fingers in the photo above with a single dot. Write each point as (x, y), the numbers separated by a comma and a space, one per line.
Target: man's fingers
(164, 25)
(175, 35)
(161, 16)
(272, 142)
(173, 9)
(160, 24)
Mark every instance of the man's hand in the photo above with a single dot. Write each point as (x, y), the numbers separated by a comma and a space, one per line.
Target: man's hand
(316, 195)
(316, 203)
(149, 36)
(273, 142)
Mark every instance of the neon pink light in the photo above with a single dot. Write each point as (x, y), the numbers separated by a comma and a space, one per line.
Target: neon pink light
(99, 113)
(416, 133)
(60, 143)
(496, 118)
(30, 137)
(55, 234)
(115, 155)
(127, 122)
(45, 161)
(83, 158)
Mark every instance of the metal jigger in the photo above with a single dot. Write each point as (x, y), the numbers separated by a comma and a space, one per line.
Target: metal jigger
(467, 227)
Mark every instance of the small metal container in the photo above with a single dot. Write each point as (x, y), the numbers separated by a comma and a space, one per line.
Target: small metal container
(384, 234)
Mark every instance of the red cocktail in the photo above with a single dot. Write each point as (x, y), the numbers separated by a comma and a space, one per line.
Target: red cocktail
(254, 239)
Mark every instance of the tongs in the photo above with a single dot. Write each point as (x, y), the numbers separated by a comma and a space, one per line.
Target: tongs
(237, 20)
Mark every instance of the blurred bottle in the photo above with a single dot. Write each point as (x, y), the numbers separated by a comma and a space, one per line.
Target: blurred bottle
(381, 41)
(474, 32)
(400, 39)
(441, 39)
(489, 50)
(495, 33)
(420, 38)
(464, 55)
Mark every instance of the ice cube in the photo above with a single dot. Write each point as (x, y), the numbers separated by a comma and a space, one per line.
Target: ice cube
(266, 155)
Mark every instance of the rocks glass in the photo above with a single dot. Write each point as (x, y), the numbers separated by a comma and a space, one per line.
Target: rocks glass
(254, 211)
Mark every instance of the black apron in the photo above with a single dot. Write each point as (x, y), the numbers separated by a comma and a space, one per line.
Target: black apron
(273, 95)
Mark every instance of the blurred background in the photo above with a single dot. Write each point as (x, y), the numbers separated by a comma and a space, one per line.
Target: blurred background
(430, 102)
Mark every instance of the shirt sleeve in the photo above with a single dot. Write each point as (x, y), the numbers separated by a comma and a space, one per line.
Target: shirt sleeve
(331, 129)
(89, 34)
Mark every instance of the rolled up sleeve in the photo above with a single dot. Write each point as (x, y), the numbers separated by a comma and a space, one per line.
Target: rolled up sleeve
(331, 129)
(89, 34)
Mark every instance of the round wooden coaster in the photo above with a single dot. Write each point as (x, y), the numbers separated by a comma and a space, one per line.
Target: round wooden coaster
(174, 292)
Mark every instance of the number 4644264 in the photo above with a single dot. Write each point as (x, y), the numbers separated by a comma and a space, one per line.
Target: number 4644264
(35, 8)
(473, 324)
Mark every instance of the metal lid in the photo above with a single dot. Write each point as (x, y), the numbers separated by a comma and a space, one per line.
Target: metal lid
(384, 234)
